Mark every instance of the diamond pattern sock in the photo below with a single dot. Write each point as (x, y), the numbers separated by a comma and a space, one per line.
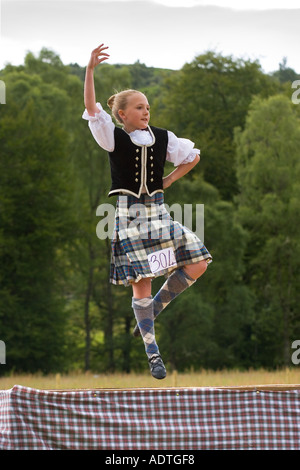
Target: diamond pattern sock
(143, 311)
(177, 282)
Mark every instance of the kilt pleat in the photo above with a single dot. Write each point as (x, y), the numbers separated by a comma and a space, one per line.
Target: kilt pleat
(143, 226)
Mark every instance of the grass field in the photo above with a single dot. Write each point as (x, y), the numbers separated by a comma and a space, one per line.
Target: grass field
(204, 378)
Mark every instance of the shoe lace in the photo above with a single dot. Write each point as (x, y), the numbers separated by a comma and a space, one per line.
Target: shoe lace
(155, 358)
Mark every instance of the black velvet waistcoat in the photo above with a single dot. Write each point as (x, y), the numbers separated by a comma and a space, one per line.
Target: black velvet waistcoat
(134, 167)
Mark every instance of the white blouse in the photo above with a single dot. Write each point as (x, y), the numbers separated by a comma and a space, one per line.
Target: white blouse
(179, 150)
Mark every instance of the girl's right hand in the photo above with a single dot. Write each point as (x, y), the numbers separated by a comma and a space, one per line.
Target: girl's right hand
(98, 56)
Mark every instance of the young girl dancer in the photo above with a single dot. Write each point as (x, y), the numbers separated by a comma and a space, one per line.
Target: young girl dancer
(146, 242)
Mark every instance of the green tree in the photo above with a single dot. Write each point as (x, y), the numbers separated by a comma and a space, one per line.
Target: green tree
(35, 224)
(285, 74)
(204, 102)
(268, 153)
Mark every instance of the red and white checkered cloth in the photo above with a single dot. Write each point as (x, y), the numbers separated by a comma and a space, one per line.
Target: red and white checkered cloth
(137, 419)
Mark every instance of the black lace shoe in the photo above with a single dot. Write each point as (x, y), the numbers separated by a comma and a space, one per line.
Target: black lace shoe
(157, 367)
(136, 332)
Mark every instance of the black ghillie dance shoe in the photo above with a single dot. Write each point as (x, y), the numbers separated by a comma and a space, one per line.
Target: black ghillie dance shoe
(157, 367)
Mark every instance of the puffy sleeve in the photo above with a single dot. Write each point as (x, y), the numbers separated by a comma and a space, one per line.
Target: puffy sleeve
(102, 128)
(180, 150)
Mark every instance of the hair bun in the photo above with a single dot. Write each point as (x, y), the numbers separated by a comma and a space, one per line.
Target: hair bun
(110, 101)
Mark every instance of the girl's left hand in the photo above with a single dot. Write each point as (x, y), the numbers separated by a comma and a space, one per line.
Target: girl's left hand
(166, 182)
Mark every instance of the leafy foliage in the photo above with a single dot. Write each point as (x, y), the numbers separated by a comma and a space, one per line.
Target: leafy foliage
(57, 309)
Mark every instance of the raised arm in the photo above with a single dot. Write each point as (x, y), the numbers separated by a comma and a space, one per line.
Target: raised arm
(97, 56)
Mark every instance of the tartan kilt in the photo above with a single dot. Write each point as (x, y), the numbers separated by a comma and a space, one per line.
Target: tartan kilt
(143, 227)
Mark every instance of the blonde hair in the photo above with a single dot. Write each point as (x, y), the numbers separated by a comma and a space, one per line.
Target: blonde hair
(119, 101)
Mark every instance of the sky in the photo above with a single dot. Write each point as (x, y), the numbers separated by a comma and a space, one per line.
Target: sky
(158, 33)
